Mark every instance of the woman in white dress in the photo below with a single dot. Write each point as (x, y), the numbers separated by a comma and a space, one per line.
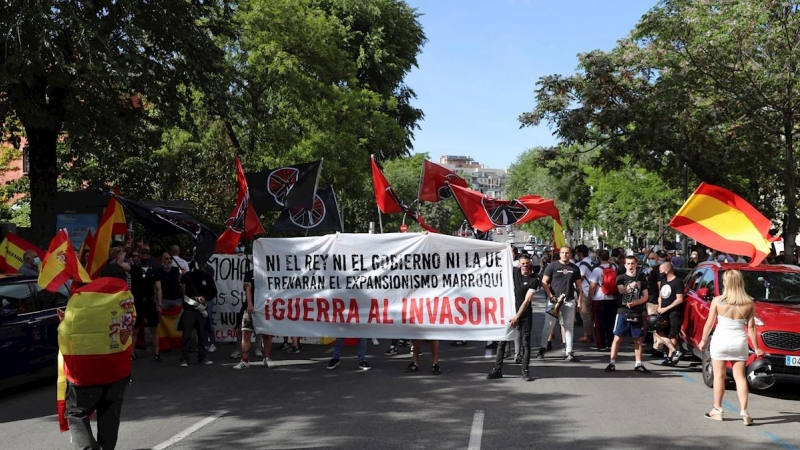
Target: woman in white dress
(734, 310)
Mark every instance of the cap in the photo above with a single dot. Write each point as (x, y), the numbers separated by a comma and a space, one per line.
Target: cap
(629, 253)
(661, 253)
(695, 255)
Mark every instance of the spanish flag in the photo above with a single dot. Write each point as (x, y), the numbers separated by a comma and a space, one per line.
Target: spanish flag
(12, 249)
(558, 233)
(722, 220)
(94, 339)
(113, 222)
(87, 243)
(61, 264)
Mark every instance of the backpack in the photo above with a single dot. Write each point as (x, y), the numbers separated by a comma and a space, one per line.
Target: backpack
(609, 280)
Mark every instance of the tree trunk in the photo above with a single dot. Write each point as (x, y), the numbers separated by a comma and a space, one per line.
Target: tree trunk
(43, 174)
(791, 213)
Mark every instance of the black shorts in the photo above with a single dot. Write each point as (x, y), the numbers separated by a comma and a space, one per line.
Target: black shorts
(146, 313)
(675, 323)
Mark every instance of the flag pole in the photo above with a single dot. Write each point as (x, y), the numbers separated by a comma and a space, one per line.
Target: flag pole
(380, 220)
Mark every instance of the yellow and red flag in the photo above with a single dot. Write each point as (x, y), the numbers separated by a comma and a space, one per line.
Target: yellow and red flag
(94, 339)
(61, 264)
(12, 250)
(88, 243)
(112, 223)
(722, 220)
(558, 233)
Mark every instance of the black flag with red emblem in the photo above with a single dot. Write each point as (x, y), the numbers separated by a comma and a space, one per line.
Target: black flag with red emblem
(285, 187)
(322, 216)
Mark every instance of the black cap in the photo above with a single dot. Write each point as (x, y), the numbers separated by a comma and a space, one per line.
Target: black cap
(661, 253)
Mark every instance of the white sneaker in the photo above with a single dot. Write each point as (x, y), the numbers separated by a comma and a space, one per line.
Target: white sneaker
(212, 348)
(375, 342)
(259, 354)
(207, 362)
(241, 365)
(269, 363)
(236, 354)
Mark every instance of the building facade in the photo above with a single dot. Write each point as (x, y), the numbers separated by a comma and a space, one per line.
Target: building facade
(491, 182)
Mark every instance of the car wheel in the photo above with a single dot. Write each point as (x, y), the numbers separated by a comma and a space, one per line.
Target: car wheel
(708, 369)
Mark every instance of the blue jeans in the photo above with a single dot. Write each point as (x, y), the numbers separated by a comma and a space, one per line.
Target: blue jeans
(362, 349)
(209, 328)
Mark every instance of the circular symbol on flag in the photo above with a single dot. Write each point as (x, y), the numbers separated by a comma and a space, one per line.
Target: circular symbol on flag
(236, 221)
(280, 182)
(502, 213)
(308, 217)
(444, 191)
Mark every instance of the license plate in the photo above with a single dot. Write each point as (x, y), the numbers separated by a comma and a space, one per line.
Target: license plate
(793, 361)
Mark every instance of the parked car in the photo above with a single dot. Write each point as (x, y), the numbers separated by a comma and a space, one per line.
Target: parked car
(28, 330)
(776, 290)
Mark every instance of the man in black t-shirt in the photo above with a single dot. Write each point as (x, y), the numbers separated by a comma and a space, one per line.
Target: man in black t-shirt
(632, 289)
(199, 288)
(670, 302)
(525, 284)
(143, 287)
(562, 281)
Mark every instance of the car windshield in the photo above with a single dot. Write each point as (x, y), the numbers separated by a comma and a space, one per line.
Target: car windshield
(773, 287)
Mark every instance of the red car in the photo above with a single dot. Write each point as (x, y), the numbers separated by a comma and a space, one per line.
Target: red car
(776, 289)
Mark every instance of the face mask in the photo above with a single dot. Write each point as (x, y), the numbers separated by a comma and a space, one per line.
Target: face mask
(36, 261)
(525, 270)
(651, 262)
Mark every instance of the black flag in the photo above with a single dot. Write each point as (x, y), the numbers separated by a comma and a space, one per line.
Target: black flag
(285, 187)
(322, 216)
(169, 222)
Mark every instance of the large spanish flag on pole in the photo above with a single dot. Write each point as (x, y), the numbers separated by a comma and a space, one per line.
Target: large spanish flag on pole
(113, 222)
(94, 339)
(722, 220)
(61, 264)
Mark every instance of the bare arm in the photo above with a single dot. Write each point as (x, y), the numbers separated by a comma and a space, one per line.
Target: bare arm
(546, 287)
(248, 294)
(751, 330)
(712, 317)
(522, 308)
(159, 295)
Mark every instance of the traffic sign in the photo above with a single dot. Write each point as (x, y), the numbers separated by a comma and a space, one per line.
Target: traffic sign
(403, 228)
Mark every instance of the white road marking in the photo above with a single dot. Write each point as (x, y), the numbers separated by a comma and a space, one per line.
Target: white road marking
(185, 433)
(477, 431)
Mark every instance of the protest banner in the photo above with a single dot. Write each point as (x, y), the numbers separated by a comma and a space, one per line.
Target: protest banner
(403, 285)
(229, 273)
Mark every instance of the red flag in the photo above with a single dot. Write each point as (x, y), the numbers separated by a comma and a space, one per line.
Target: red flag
(433, 186)
(389, 202)
(243, 220)
(61, 264)
(385, 197)
(112, 223)
(724, 221)
(485, 213)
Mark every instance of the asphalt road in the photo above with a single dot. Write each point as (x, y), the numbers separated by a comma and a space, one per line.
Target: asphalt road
(300, 404)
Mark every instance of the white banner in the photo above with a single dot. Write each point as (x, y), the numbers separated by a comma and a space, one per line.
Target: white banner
(229, 276)
(403, 285)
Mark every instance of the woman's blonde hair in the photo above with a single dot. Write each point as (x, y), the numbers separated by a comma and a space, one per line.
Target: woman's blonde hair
(734, 293)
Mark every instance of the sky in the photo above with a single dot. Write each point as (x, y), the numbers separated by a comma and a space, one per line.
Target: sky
(478, 70)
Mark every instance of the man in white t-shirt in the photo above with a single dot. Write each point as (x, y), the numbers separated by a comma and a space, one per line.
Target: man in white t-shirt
(584, 262)
(604, 305)
(177, 261)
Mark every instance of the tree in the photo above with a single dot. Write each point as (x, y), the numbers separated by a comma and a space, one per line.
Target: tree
(691, 86)
(73, 70)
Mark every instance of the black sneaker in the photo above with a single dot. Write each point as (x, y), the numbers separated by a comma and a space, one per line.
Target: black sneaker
(286, 346)
(363, 365)
(295, 350)
(494, 374)
(157, 358)
(436, 370)
(641, 369)
(518, 359)
(413, 367)
(526, 376)
(549, 346)
(403, 343)
(677, 356)
(391, 352)
(571, 357)
(333, 363)
(541, 353)
(611, 367)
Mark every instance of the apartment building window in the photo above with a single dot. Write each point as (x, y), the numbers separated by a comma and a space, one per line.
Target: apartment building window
(26, 164)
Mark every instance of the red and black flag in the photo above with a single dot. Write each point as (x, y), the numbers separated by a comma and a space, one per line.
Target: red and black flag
(388, 201)
(484, 213)
(285, 187)
(323, 216)
(243, 221)
(433, 186)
